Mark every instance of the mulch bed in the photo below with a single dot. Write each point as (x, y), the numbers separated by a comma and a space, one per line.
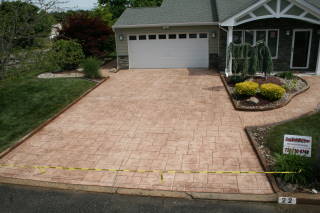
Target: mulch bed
(242, 103)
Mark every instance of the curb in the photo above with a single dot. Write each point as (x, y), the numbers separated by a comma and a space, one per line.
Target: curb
(44, 124)
(268, 198)
(235, 105)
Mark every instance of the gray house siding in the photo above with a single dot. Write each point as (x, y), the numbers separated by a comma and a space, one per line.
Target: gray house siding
(282, 63)
(122, 46)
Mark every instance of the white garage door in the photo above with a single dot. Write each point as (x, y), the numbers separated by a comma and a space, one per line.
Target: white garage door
(184, 50)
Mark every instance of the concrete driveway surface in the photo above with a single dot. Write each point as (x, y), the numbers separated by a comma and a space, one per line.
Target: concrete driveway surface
(175, 119)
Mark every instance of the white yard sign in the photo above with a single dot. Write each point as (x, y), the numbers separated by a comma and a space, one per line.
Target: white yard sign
(297, 145)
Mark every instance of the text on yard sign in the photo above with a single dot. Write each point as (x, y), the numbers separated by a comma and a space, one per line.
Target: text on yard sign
(297, 145)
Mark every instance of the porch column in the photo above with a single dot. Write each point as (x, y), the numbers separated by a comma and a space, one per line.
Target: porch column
(318, 62)
(229, 41)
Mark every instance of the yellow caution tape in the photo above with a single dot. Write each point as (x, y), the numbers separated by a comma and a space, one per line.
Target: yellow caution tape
(161, 172)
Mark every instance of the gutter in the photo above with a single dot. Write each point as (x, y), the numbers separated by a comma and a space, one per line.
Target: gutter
(165, 25)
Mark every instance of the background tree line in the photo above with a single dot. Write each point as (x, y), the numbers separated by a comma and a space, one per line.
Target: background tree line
(26, 25)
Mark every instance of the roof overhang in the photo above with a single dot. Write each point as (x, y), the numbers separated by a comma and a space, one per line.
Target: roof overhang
(309, 12)
(165, 25)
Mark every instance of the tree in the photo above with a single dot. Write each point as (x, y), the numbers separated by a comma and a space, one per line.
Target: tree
(104, 13)
(22, 22)
(91, 32)
(248, 60)
(118, 6)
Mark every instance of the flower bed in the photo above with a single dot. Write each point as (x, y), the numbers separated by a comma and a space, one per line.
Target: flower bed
(268, 144)
(273, 92)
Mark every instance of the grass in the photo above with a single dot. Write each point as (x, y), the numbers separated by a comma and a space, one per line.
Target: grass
(306, 126)
(26, 103)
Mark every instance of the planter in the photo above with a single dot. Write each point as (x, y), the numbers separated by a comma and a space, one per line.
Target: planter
(264, 105)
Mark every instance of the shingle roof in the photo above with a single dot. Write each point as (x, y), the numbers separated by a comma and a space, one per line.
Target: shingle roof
(315, 3)
(187, 12)
(228, 8)
(171, 12)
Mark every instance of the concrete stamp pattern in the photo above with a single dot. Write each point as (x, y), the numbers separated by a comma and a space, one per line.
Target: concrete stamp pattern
(175, 119)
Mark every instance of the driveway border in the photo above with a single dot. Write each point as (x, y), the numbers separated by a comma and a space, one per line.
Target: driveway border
(44, 124)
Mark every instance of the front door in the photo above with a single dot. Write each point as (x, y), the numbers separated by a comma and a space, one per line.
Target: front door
(301, 44)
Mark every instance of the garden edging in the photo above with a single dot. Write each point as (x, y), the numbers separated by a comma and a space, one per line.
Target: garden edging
(241, 108)
(41, 126)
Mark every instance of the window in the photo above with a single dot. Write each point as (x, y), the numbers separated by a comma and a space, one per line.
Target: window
(271, 37)
(203, 35)
(182, 36)
(172, 36)
(193, 36)
(273, 42)
(237, 37)
(249, 37)
(163, 36)
(261, 36)
(132, 38)
(142, 37)
(152, 37)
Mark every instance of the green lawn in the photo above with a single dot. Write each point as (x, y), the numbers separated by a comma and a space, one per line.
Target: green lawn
(25, 104)
(306, 126)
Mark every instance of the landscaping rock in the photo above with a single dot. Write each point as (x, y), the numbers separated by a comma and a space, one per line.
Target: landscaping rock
(114, 70)
(61, 75)
(290, 187)
(253, 100)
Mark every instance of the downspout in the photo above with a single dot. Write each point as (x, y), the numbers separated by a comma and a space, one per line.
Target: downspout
(318, 61)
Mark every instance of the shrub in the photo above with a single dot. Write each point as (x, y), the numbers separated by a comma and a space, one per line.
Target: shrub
(294, 163)
(291, 84)
(91, 67)
(272, 92)
(234, 79)
(67, 54)
(286, 75)
(247, 88)
(91, 32)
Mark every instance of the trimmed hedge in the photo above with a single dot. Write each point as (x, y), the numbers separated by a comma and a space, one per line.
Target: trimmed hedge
(247, 88)
(272, 92)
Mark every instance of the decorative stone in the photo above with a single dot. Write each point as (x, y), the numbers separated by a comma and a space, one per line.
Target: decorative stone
(290, 187)
(61, 75)
(114, 70)
(253, 100)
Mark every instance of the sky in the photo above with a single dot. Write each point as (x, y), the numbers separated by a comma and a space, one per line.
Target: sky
(79, 4)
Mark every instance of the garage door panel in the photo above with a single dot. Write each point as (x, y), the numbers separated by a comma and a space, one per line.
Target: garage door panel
(177, 53)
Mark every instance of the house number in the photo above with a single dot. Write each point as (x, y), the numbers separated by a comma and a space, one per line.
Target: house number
(287, 200)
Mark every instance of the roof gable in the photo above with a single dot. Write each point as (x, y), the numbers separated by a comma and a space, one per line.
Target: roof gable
(264, 9)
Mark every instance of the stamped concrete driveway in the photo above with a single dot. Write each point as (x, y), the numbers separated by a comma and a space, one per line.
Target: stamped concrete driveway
(153, 120)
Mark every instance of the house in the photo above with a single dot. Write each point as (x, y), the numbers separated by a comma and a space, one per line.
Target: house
(196, 33)
(55, 31)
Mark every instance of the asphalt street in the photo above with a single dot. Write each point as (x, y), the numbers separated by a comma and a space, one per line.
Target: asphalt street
(18, 199)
